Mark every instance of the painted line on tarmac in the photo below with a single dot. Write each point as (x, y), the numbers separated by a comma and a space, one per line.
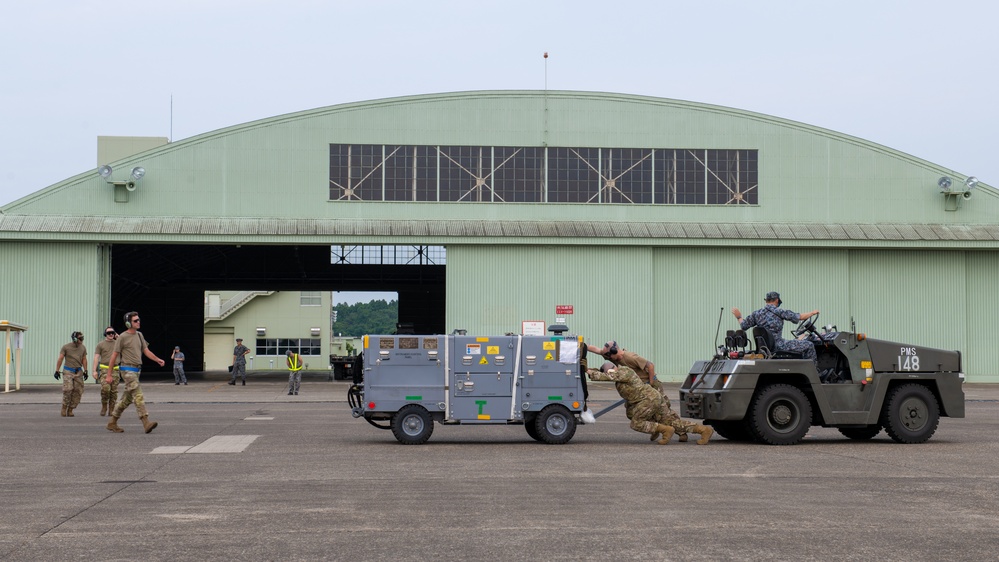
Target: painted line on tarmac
(217, 444)
(175, 450)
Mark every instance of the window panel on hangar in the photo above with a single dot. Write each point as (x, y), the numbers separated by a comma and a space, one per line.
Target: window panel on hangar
(518, 174)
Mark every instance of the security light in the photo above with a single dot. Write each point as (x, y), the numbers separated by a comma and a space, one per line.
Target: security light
(944, 184)
(971, 182)
(138, 172)
(104, 171)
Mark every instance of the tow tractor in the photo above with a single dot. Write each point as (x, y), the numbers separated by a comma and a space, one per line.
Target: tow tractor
(409, 382)
(750, 391)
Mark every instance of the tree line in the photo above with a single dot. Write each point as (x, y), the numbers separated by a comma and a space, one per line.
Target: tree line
(374, 317)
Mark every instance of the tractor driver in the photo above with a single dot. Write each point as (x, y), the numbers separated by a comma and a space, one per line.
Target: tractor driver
(771, 318)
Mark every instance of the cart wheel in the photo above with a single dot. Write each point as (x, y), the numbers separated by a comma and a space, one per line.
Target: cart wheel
(555, 425)
(412, 425)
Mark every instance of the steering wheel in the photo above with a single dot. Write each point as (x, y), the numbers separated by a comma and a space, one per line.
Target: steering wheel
(805, 326)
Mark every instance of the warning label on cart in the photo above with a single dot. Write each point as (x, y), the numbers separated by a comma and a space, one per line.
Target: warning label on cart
(473, 349)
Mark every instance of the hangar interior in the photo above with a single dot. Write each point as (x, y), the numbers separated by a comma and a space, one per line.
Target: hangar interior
(167, 283)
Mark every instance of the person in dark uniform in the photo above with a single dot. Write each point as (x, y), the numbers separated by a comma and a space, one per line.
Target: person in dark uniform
(771, 318)
(178, 366)
(239, 354)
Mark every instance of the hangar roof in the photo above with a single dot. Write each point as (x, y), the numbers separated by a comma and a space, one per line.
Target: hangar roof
(269, 181)
(198, 229)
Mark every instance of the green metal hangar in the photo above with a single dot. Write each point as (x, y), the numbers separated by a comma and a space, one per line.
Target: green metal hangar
(648, 216)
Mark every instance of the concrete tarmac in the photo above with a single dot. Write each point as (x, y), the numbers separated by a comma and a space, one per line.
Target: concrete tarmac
(250, 473)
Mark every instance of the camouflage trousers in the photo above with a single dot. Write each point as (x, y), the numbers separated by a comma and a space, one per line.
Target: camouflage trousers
(294, 381)
(681, 426)
(645, 416)
(670, 417)
(109, 392)
(131, 394)
(72, 389)
(238, 370)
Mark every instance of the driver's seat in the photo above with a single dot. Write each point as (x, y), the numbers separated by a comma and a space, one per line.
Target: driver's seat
(766, 345)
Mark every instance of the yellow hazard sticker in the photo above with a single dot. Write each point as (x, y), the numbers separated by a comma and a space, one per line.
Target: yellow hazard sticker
(492, 350)
(548, 357)
(548, 345)
(483, 361)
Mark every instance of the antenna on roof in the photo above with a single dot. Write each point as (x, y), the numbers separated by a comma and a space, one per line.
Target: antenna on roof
(546, 71)
(171, 117)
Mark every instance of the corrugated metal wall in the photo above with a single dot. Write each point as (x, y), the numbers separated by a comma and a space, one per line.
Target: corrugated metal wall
(664, 303)
(491, 290)
(57, 287)
(982, 294)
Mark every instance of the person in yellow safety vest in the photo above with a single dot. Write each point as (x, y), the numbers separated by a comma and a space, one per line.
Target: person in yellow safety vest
(295, 375)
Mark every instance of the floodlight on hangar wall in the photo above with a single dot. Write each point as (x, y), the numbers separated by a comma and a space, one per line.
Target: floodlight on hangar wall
(953, 195)
(122, 187)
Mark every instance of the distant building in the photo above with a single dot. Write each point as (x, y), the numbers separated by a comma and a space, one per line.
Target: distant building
(270, 323)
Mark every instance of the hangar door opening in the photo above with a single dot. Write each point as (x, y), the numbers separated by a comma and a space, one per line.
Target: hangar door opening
(167, 284)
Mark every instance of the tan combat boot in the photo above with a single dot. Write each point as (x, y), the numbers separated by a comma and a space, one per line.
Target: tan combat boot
(705, 431)
(148, 425)
(63, 414)
(104, 408)
(667, 431)
(682, 438)
(69, 413)
(113, 425)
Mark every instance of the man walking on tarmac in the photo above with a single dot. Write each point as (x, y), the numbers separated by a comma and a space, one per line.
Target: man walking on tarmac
(109, 391)
(295, 372)
(129, 349)
(644, 405)
(73, 372)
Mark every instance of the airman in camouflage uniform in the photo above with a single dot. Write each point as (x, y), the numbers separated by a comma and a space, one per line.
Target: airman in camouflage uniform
(109, 391)
(73, 372)
(129, 348)
(645, 369)
(644, 406)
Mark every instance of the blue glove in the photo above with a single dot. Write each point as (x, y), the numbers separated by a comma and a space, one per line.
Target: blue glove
(57, 375)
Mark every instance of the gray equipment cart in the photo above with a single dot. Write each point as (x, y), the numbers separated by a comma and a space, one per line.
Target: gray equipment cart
(408, 382)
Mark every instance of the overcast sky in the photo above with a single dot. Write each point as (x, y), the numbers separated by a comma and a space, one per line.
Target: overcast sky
(917, 76)
(354, 297)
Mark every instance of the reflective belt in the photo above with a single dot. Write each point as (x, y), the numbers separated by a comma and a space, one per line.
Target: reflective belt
(105, 367)
(130, 369)
(71, 369)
